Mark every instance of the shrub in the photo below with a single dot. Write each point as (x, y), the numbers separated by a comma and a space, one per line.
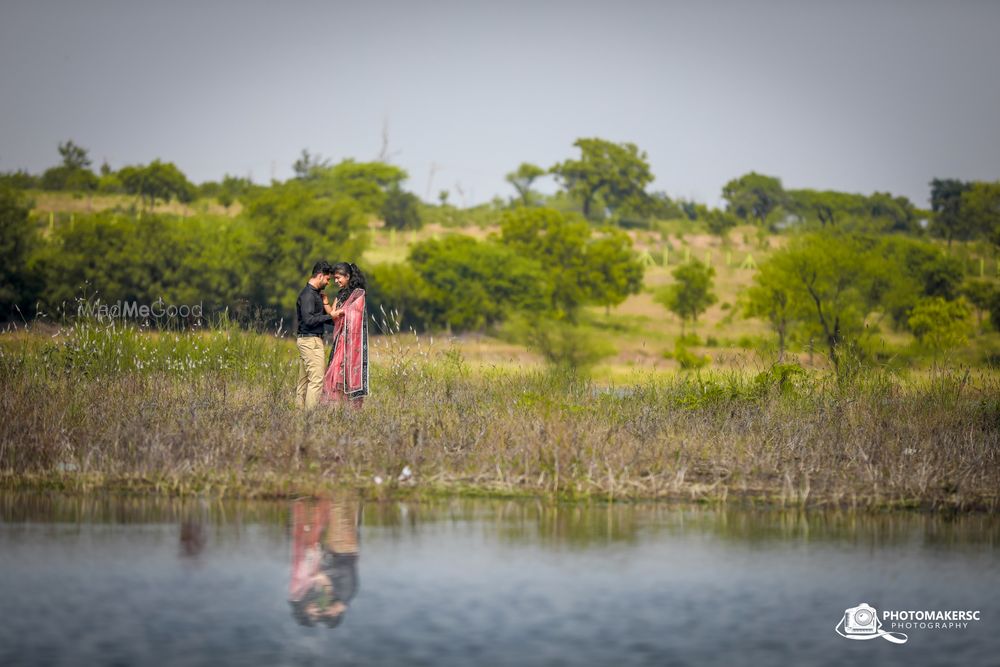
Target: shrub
(689, 360)
(562, 344)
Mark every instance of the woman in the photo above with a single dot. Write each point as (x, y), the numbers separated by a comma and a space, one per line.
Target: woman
(347, 372)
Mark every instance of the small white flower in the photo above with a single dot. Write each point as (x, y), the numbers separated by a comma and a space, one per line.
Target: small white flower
(406, 474)
(378, 480)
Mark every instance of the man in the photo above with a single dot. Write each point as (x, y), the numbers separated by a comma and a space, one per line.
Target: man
(311, 317)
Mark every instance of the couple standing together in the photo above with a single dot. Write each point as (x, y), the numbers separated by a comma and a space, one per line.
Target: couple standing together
(345, 375)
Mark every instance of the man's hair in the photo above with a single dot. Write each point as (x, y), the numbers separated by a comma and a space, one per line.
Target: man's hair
(322, 266)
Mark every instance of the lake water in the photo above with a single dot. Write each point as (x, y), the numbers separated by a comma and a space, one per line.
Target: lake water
(113, 581)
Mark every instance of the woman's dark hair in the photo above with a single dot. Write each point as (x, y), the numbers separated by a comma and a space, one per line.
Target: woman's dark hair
(356, 279)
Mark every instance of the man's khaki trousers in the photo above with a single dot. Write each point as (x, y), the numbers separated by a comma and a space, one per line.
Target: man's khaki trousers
(312, 367)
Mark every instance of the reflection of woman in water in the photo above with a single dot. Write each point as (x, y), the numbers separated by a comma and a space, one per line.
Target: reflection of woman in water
(324, 561)
(347, 372)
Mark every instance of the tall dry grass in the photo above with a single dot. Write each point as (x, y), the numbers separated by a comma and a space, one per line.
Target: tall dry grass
(110, 406)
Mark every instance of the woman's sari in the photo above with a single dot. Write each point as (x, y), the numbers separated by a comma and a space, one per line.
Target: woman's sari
(307, 553)
(347, 373)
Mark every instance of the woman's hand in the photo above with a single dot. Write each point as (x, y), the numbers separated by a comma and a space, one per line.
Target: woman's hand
(337, 313)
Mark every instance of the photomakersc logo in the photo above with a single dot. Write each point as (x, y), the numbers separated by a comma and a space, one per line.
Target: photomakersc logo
(136, 310)
(863, 622)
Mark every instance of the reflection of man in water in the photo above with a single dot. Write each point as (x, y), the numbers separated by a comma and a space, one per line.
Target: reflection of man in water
(324, 560)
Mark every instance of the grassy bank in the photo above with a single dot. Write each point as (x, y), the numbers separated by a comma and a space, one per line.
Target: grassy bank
(112, 407)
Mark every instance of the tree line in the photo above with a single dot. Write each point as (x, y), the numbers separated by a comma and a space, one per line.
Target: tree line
(851, 255)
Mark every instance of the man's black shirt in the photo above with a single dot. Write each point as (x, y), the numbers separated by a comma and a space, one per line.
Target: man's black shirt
(309, 312)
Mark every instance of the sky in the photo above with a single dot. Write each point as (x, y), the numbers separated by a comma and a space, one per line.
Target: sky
(857, 96)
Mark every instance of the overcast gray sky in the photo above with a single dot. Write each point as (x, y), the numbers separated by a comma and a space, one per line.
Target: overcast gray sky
(851, 95)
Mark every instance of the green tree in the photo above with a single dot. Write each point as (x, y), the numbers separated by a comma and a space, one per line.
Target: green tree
(18, 180)
(68, 179)
(522, 179)
(940, 324)
(691, 294)
(770, 298)
(91, 253)
(157, 180)
(827, 284)
(229, 190)
(19, 277)
(615, 173)
(581, 267)
(980, 210)
(880, 212)
(753, 195)
(73, 174)
(946, 204)
(719, 222)
(826, 207)
(308, 164)
(833, 282)
(980, 294)
(662, 207)
(110, 184)
(616, 271)
(213, 263)
(692, 210)
(894, 214)
(367, 183)
(472, 284)
(401, 210)
(913, 270)
(74, 157)
(558, 243)
(398, 299)
(111, 257)
(238, 186)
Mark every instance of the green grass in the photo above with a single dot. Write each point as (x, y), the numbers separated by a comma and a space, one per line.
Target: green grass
(94, 406)
(65, 204)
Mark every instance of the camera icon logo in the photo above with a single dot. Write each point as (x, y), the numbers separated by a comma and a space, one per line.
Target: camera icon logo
(861, 620)
(862, 623)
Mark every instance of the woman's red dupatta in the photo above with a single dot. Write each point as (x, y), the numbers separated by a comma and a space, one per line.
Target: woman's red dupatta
(307, 524)
(347, 374)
